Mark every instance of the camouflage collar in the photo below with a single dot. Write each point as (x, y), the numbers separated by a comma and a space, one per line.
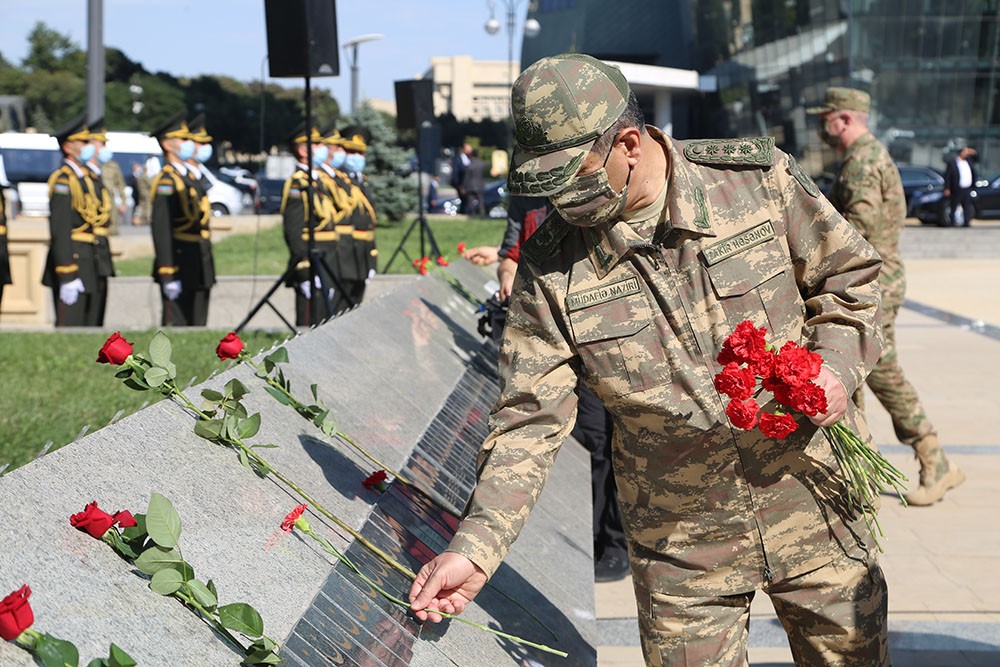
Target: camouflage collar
(687, 207)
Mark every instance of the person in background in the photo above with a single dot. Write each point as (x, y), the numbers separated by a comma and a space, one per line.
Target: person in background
(4, 255)
(473, 185)
(140, 194)
(311, 276)
(432, 194)
(459, 165)
(184, 266)
(106, 210)
(71, 268)
(869, 193)
(657, 250)
(959, 180)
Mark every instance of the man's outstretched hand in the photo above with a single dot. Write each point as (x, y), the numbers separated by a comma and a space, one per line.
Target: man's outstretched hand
(446, 584)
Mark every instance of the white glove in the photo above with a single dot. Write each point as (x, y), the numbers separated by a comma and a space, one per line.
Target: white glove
(172, 290)
(71, 291)
(306, 288)
(371, 274)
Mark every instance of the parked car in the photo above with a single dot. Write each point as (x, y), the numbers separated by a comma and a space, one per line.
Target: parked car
(494, 199)
(986, 197)
(924, 190)
(243, 180)
(269, 194)
(224, 198)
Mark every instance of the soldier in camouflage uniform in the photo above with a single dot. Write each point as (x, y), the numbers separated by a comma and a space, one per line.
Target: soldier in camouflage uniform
(659, 249)
(869, 193)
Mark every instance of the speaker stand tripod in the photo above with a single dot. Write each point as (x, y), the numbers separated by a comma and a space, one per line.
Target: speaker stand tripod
(421, 219)
(316, 257)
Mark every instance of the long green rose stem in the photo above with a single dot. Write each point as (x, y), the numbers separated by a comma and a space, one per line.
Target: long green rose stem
(189, 601)
(304, 526)
(264, 465)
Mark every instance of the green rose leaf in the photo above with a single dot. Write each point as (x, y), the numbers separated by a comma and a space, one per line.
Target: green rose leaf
(279, 356)
(98, 662)
(171, 369)
(162, 521)
(279, 396)
(203, 594)
(159, 349)
(211, 587)
(244, 459)
(166, 582)
(120, 545)
(313, 387)
(135, 383)
(156, 376)
(211, 395)
(242, 618)
(209, 429)
(249, 426)
(55, 652)
(123, 373)
(155, 558)
(119, 658)
(236, 389)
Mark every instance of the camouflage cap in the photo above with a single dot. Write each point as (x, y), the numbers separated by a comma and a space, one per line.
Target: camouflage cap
(843, 99)
(560, 106)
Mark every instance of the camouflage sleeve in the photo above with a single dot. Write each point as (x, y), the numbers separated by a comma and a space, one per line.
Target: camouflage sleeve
(533, 416)
(837, 274)
(860, 196)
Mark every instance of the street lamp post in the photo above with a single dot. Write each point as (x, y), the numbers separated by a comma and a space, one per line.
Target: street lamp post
(492, 27)
(351, 47)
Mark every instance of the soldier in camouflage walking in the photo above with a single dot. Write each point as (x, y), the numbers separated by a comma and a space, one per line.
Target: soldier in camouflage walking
(658, 250)
(869, 193)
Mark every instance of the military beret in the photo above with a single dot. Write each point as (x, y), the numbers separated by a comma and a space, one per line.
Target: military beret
(75, 130)
(843, 99)
(355, 138)
(175, 128)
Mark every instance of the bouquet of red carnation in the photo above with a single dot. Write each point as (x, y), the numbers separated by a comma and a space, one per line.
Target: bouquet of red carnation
(788, 374)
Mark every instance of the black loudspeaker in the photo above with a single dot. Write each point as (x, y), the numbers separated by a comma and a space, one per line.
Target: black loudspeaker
(428, 147)
(414, 103)
(302, 38)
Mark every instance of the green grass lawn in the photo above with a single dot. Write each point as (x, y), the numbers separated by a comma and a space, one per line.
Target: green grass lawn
(266, 254)
(51, 385)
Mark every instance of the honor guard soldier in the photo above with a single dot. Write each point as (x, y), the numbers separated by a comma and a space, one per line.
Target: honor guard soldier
(339, 184)
(355, 140)
(106, 209)
(184, 267)
(4, 256)
(110, 172)
(71, 269)
(315, 277)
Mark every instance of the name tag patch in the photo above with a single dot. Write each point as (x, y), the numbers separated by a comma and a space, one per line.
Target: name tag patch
(602, 294)
(728, 247)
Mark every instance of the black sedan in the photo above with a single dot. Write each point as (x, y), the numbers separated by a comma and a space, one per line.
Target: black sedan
(924, 190)
(494, 201)
(986, 198)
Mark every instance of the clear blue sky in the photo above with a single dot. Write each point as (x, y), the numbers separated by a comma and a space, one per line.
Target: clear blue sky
(192, 37)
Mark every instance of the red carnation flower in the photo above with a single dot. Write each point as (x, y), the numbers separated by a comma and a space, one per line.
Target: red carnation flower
(442, 261)
(376, 480)
(735, 382)
(795, 365)
(809, 399)
(292, 517)
(116, 350)
(229, 347)
(777, 426)
(15, 613)
(461, 246)
(743, 414)
(745, 344)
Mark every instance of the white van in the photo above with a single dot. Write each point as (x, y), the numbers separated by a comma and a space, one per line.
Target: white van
(27, 160)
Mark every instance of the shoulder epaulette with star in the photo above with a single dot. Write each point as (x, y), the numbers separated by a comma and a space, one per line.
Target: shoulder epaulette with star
(546, 238)
(750, 151)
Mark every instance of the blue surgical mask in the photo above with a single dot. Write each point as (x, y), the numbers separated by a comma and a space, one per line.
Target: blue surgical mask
(320, 154)
(354, 163)
(186, 150)
(337, 160)
(104, 155)
(204, 153)
(87, 153)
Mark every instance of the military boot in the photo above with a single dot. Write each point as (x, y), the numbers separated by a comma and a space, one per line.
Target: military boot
(937, 473)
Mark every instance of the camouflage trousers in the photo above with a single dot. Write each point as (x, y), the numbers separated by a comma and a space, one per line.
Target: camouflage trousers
(834, 616)
(887, 380)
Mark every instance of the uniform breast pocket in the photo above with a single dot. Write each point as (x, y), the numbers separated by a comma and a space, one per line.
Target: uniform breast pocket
(619, 345)
(760, 280)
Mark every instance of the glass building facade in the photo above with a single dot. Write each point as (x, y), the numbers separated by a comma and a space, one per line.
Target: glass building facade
(931, 66)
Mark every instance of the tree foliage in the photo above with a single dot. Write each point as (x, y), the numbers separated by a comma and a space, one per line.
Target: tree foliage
(387, 165)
